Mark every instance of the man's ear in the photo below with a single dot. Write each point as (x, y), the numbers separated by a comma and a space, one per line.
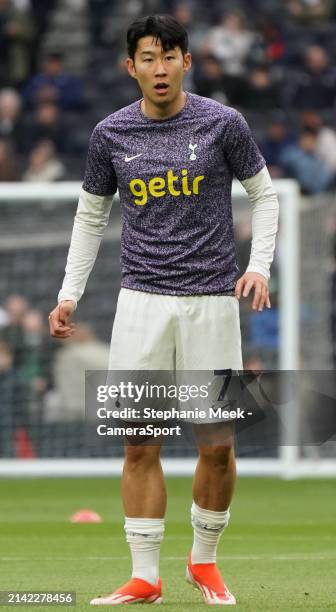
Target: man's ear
(187, 61)
(131, 68)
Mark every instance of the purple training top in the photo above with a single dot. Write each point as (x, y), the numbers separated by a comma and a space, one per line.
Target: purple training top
(174, 178)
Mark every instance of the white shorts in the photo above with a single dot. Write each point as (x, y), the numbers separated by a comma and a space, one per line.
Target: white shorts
(164, 332)
(175, 339)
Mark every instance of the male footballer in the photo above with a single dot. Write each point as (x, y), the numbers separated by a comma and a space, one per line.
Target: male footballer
(172, 155)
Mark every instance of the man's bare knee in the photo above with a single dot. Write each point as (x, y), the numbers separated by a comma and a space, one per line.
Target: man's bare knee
(218, 457)
(141, 456)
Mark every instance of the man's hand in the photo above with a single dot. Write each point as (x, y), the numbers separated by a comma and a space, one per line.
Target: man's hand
(59, 320)
(251, 280)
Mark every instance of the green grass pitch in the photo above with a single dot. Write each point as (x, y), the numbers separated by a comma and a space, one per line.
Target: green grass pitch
(277, 554)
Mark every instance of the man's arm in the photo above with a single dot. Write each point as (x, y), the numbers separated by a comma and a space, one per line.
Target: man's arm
(248, 166)
(265, 211)
(89, 225)
(100, 184)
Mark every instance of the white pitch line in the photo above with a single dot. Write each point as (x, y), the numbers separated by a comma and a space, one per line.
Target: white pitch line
(279, 538)
(323, 556)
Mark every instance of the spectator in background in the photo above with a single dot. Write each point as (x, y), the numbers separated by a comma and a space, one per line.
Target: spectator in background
(210, 80)
(197, 28)
(302, 163)
(10, 116)
(25, 346)
(44, 165)
(15, 306)
(36, 351)
(314, 87)
(36, 360)
(14, 415)
(310, 11)
(83, 351)
(260, 93)
(231, 42)
(16, 36)
(53, 84)
(264, 334)
(187, 13)
(8, 170)
(326, 138)
(273, 42)
(278, 137)
(46, 124)
(114, 80)
(254, 363)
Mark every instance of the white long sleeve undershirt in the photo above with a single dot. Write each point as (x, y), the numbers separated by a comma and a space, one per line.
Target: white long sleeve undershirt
(89, 225)
(93, 214)
(265, 213)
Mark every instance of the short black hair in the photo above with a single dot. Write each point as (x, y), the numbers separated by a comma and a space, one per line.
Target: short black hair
(162, 27)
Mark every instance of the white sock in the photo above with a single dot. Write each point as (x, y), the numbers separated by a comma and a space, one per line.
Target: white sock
(144, 536)
(208, 527)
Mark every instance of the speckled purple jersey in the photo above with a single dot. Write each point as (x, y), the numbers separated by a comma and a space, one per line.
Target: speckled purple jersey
(174, 178)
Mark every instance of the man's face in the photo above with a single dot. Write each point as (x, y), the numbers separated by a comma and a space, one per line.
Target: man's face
(53, 66)
(308, 142)
(277, 131)
(316, 59)
(159, 73)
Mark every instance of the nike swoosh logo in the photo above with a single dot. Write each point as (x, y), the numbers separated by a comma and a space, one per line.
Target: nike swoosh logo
(128, 159)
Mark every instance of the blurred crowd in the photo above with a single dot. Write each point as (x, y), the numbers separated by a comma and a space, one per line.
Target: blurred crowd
(41, 382)
(274, 61)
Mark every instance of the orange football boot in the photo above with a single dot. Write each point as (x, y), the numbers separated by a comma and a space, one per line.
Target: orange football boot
(134, 591)
(207, 578)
